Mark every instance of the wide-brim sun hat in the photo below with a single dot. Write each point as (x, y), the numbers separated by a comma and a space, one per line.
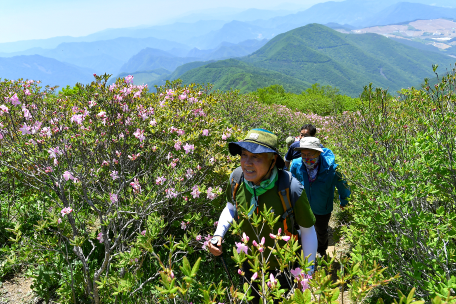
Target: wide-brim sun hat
(258, 141)
(311, 143)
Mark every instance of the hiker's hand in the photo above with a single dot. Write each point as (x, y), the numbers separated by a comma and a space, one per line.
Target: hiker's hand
(216, 250)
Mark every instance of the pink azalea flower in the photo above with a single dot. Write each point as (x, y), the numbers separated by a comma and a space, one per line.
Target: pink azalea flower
(77, 119)
(170, 193)
(59, 221)
(66, 210)
(177, 145)
(206, 132)
(198, 237)
(129, 79)
(240, 272)
(244, 238)
(182, 97)
(92, 103)
(53, 152)
(114, 175)
(305, 282)
(25, 129)
(224, 137)
(135, 185)
(27, 114)
(3, 109)
(198, 167)
(27, 92)
(242, 247)
(195, 193)
(296, 272)
(211, 195)
(180, 132)
(102, 114)
(184, 225)
(286, 238)
(67, 175)
(189, 148)
(272, 281)
(160, 180)
(118, 153)
(273, 236)
(100, 237)
(171, 274)
(113, 198)
(255, 276)
(14, 100)
(143, 232)
(153, 123)
(139, 134)
(134, 156)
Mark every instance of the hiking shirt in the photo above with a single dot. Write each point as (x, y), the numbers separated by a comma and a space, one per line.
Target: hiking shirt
(302, 212)
(320, 193)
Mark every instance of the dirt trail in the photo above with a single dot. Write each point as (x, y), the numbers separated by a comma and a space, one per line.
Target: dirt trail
(17, 291)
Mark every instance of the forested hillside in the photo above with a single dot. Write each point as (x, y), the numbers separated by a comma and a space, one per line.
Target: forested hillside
(318, 54)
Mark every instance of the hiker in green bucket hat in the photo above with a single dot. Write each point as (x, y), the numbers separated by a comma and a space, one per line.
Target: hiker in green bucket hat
(260, 182)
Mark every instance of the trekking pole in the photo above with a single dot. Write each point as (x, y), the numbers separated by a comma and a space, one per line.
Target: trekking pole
(214, 242)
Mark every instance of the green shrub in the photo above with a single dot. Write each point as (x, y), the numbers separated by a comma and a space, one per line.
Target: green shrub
(399, 153)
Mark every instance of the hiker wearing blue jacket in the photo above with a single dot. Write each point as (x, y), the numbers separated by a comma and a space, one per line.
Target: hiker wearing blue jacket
(317, 172)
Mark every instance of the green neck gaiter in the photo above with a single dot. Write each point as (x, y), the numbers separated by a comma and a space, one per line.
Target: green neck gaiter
(260, 189)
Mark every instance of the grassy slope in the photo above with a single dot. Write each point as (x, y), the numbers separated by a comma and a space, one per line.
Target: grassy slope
(234, 74)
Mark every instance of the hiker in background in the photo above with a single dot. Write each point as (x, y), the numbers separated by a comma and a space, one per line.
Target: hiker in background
(261, 182)
(290, 140)
(306, 130)
(317, 172)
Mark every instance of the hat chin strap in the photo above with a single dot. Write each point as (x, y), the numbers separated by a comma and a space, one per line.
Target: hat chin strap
(271, 166)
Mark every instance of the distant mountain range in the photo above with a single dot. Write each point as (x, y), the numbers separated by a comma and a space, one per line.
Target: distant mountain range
(236, 26)
(49, 71)
(168, 50)
(104, 56)
(152, 59)
(318, 54)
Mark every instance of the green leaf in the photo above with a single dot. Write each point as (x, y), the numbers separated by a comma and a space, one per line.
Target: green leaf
(196, 267)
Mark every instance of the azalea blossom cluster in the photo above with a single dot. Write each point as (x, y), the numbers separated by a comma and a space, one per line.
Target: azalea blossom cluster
(301, 277)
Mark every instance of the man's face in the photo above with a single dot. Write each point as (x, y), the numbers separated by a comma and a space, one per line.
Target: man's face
(304, 133)
(309, 153)
(256, 166)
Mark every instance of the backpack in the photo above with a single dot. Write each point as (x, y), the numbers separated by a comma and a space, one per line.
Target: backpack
(285, 191)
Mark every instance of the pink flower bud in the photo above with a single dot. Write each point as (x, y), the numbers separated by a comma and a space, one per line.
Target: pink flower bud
(255, 276)
(286, 238)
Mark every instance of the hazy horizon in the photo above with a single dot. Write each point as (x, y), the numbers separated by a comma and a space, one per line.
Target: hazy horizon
(30, 20)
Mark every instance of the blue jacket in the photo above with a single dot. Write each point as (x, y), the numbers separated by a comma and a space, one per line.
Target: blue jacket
(320, 193)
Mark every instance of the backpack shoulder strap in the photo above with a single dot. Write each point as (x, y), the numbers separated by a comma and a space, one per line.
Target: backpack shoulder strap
(289, 192)
(284, 181)
(236, 178)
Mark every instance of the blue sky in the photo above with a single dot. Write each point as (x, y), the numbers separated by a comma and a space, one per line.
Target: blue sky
(38, 19)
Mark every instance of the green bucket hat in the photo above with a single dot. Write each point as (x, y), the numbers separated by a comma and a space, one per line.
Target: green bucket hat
(258, 141)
